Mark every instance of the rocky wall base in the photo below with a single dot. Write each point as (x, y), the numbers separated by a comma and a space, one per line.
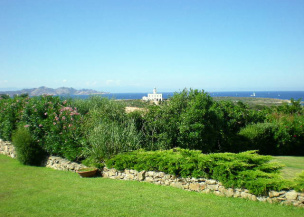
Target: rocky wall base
(205, 186)
(57, 163)
(6, 148)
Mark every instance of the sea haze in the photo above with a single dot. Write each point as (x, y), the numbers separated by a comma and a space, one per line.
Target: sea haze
(258, 94)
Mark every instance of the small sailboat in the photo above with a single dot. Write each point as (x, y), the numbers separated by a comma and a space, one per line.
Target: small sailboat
(253, 94)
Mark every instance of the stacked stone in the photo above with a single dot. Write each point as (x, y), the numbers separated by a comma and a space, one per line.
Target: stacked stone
(205, 186)
(6, 148)
(59, 163)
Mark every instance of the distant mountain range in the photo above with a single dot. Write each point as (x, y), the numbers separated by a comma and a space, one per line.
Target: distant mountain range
(50, 91)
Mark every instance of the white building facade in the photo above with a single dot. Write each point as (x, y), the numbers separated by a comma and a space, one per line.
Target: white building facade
(153, 96)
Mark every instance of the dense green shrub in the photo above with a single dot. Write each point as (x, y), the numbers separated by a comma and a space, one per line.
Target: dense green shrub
(200, 123)
(294, 107)
(157, 135)
(134, 103)
(189, 119)
(281, 134)
(289, 136)
(28, 151)
(244, 170)
(108, 130)
(192, 119)
(299, 182)
(260, 137)
(4, 96)
(110, 138)
(137, 118)
(103, 108)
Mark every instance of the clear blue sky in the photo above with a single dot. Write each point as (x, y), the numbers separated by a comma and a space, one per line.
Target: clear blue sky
(133, 46)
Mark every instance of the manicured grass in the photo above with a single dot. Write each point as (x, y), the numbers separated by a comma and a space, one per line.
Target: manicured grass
(38, 191)
(294, 165)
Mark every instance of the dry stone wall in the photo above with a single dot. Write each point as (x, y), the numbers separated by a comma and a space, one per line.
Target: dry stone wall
(204, 185)
(6, 148)
(160, 178)
(57, 163)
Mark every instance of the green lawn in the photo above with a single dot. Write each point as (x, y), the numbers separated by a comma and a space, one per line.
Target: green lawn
(38, 191)
(294, 165)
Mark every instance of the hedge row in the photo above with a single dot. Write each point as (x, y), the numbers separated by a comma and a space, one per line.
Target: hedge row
(99, 128)
(244, 170)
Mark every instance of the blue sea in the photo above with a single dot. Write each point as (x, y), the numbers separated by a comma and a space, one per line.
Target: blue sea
(258, 94)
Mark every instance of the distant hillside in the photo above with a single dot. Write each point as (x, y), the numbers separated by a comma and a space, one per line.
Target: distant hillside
(50, 91)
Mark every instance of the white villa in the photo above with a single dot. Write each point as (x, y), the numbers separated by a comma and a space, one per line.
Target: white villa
(153, 96)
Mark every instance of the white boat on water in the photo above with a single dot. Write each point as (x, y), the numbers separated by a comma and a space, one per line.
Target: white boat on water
(253, 94)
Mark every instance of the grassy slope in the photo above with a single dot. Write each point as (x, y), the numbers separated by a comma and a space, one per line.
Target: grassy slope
(294, 165)
(34, 191)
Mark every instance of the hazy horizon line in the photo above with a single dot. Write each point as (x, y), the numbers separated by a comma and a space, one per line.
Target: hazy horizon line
(143, 91)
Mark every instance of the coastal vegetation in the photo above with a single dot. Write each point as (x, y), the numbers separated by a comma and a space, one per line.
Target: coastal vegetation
(191, 134)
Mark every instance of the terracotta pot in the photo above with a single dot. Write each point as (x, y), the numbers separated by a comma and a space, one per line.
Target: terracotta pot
(87, 173)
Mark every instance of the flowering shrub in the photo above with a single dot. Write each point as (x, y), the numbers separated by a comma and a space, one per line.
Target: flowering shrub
(64, 137)
(52, 122)
(11, 110)
(53, 125)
